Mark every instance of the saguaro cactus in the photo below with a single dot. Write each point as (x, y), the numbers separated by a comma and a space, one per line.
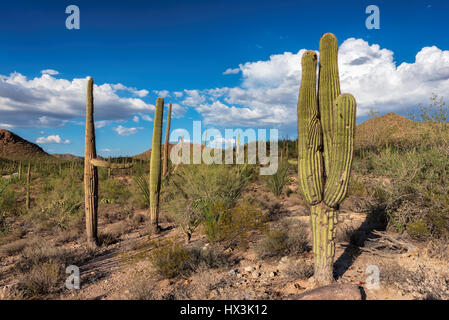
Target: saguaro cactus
(155, 164)
(325, 149)
(27, 197)
(167, 137)
(90, 171)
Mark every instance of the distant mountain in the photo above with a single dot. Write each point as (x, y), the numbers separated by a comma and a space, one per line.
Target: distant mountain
(67, 156)
(147, 154)
(13, 147)
(390, 128)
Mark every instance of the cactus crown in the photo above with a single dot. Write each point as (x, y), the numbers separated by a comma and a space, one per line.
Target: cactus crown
(326, 124)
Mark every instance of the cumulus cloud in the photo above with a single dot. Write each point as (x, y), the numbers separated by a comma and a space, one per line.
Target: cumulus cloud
(231, 71)
(146, 117)
(162, 93)
(123, 131)
(268, 93)
(50, 72)
(50, 102)
(53, 139)
(136, 119)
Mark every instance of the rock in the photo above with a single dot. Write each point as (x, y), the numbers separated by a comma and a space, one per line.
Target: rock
(234, 272)
(249, 269)
(284, 259)
(331, 292)
(256, 274)
(273, 274)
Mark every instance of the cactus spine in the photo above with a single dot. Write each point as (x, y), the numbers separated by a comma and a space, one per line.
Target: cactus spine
(90, 171)
(326, 126)
(155, 164)
(167, 136)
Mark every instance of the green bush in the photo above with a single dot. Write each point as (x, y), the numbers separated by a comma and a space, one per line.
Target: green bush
(277, 182)
(204, 193)
(113, 191)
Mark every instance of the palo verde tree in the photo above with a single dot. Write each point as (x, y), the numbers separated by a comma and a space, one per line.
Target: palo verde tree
(326, 124)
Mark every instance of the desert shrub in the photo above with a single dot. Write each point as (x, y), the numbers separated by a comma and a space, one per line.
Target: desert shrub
(277, 182)
(288, 239)
(61, 214)
(141, 288)
(299, 269)
(170, 258)
(207, 258)
(232, 226)
(193, 190)
(42, 279)
(143, 188)
(113, 191)
(14, 247)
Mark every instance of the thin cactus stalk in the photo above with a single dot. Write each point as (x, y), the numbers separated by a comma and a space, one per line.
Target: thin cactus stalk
(167, 137)
(90, 171)
(155, 164)
(325, 149)
(27, 198)
(20, 171)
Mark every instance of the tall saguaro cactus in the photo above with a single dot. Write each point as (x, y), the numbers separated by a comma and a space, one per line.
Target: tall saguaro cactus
(167, 137)
(326, 126)
(90, 171)
(155, 164)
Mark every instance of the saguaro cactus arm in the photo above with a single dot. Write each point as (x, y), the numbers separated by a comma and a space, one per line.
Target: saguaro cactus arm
(342, 150)
(328, 91)
(155, 163)
(107, 164)
(310, 167)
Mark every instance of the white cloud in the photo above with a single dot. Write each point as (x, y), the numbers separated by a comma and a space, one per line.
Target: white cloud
(100, 124)
(269, 90)
(232, 71)
(136, 119)
(123, 131)
(162, 93)
(178, 94)
(50, 72)
(146, 117)
(53, 139)
(193, 98)
(50, 102)
(139, 93)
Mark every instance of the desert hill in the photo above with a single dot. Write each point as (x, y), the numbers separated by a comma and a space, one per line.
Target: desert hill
(13, 147)
(390, 128)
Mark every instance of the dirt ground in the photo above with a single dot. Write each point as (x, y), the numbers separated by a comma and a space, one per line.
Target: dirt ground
(113, 274)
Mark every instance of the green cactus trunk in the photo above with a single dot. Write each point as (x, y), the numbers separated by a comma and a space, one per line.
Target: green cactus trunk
(27, 198)
(90, 171)
(325, 149)
(167, 137)
(155, 164)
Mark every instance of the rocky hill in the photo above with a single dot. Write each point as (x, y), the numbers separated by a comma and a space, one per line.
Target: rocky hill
(13, 147)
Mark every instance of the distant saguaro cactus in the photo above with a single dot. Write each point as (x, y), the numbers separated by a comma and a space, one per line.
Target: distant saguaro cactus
(325, 149)
(155, 164)
(90, 171)
(167, 137)
(27, 198)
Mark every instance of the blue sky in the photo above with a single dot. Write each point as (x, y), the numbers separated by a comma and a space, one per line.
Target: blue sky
(166, 48)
